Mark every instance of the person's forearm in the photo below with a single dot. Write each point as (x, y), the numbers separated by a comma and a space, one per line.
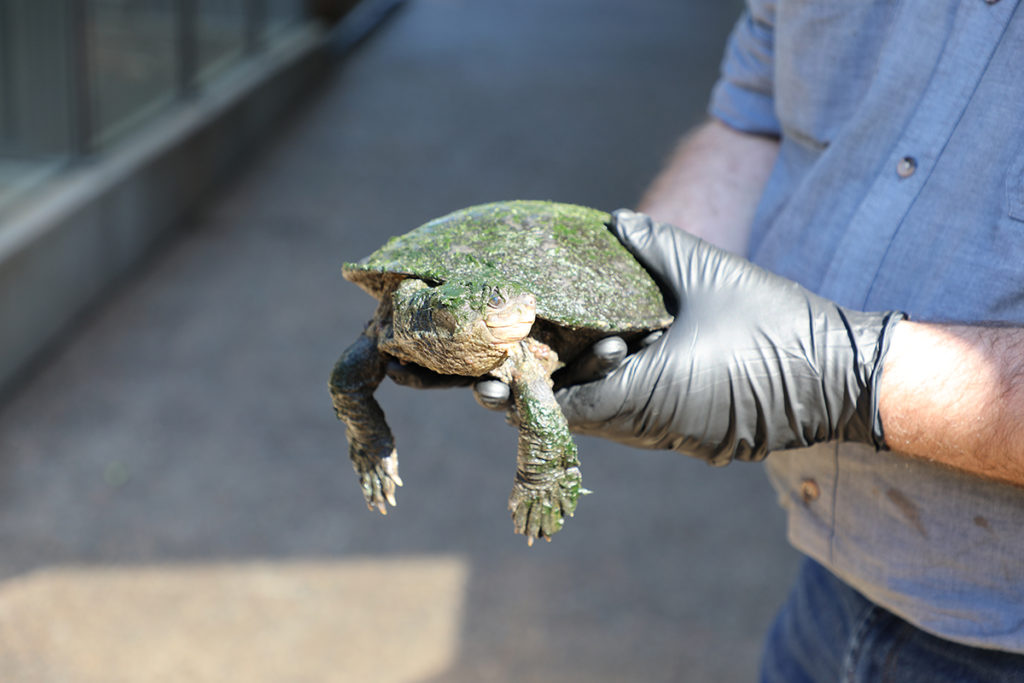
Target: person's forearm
(712, 183)
(955, 395)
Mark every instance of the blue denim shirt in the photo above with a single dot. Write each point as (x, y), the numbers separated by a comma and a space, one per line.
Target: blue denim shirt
(899, 185)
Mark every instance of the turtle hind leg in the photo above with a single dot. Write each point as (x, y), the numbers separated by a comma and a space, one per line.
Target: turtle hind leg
(548, 480)
(356, 375)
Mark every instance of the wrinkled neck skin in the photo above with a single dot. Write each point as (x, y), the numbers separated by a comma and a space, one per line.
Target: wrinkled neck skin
(457, 328)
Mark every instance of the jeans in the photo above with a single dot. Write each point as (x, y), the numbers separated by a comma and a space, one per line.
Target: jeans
(826, 632)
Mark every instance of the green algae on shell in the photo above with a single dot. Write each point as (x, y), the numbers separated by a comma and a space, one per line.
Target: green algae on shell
(564, 254)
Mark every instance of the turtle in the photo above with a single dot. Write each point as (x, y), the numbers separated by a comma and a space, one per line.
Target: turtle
(513, 291)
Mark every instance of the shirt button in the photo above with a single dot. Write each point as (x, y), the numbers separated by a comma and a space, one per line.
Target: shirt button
(991, 2)
(906, 166)
(809, 490)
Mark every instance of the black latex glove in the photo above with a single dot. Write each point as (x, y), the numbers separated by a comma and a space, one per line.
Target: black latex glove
(752, 363)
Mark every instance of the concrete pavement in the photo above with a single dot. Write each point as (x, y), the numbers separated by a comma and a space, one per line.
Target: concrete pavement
(175, 499)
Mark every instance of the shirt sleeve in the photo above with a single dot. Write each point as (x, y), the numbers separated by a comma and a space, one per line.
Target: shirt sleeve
(743, 96)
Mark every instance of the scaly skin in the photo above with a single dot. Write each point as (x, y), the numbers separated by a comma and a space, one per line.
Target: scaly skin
(547, 484)
(371, 445)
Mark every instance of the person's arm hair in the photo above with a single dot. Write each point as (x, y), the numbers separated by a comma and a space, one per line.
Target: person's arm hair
(955, 395)
(712, 183)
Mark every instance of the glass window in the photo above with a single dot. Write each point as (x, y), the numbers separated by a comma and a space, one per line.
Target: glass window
(34, 79)
(132, 61)
(220, 34)
(35, 111)
(76, 74)
(282, 14)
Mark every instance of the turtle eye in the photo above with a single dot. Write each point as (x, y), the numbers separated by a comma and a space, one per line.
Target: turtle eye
(496, 300)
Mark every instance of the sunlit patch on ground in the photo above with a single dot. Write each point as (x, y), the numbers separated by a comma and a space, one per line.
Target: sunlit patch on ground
(389, 620)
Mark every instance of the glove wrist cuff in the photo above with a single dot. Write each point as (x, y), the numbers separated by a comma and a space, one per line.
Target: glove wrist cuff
(866, 425)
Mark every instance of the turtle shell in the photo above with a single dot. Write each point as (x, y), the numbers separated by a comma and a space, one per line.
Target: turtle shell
(582, 277)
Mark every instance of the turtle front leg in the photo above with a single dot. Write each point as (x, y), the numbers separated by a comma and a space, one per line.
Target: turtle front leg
(548, 479)
(371, 446)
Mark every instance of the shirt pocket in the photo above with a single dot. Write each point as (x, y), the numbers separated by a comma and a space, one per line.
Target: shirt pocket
(826, 54)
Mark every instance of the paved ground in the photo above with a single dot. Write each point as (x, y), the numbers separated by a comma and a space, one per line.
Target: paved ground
(175, 500)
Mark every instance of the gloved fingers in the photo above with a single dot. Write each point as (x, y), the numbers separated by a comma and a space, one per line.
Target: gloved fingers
(586, 407)
(492, 393)
(596, 362)
(660, 248)
(627, 406)
(591, 407)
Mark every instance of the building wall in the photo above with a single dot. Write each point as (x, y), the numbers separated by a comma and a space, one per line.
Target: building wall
(124, 151)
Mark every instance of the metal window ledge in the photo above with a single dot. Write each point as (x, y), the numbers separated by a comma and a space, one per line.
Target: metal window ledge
(73, 238)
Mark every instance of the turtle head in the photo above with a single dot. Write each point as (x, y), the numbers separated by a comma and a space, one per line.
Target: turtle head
(494, 314)
(508, 312)
(460, 327)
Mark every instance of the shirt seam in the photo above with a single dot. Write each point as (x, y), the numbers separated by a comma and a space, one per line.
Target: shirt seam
(835, 505)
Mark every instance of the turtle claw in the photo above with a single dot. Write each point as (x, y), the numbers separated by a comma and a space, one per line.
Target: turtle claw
(378, 478)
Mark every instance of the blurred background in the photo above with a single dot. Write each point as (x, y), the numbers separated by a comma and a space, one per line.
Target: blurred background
(180, 181)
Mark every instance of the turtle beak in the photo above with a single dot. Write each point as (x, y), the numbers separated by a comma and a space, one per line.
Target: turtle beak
(512, 322)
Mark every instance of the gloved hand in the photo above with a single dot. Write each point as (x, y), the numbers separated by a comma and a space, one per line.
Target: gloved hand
(752, 363)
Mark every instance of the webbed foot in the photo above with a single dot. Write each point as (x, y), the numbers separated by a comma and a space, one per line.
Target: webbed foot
(539, 508)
